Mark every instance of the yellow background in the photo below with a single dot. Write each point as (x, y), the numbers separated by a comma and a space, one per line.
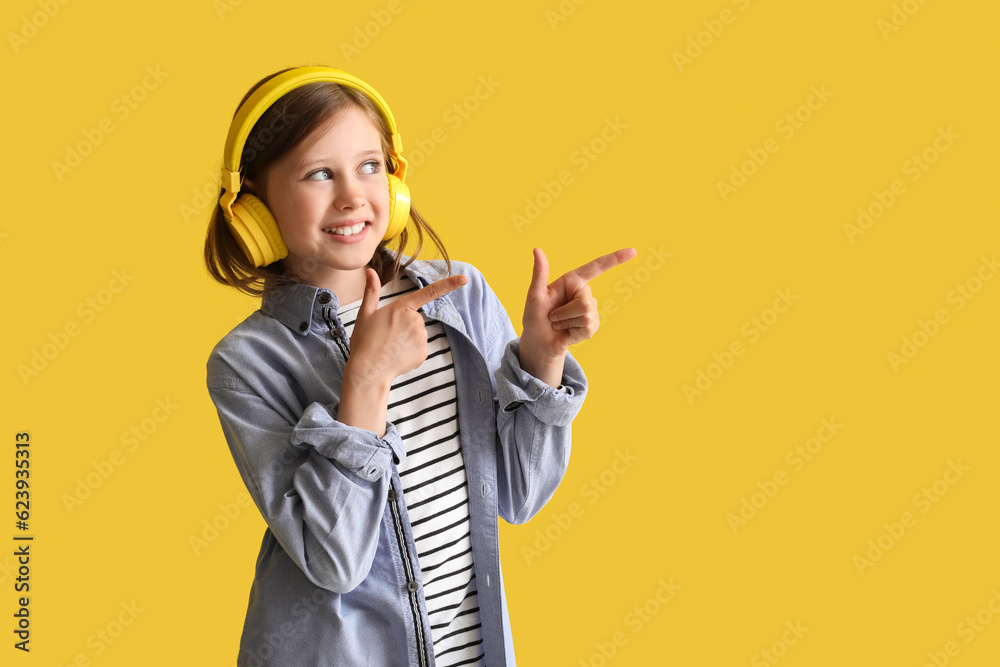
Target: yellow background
(560, 73)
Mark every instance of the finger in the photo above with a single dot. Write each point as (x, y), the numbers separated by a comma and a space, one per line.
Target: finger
(539, 271)
(583, 322)
(370, 297)
(596, 267)
(421, 297)
(571, 309)
(583, 302)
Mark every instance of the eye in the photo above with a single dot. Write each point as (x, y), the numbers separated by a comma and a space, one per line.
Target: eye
(371, 167)
(319, 175)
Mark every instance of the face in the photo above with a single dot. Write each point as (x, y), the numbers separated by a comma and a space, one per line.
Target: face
(330, 198)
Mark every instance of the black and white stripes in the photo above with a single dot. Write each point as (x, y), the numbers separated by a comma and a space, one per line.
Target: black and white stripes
(422, 406)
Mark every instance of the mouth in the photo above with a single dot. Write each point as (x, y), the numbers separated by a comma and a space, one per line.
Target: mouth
(345, 230)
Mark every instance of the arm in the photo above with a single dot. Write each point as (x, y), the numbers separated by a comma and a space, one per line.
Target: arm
(534, 432)
(320, 474)
(533, 418)
(321, 486)
(529, 438)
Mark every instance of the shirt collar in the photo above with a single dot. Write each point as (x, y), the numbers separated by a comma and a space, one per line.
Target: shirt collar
(297, 305)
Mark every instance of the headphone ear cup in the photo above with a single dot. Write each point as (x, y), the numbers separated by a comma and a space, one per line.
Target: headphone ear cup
(257, 231)
(399, 207)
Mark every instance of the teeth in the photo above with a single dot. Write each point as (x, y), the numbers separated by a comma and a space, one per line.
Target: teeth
(346, 231)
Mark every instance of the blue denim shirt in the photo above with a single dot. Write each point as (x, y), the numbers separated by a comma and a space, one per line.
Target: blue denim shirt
(337, 580)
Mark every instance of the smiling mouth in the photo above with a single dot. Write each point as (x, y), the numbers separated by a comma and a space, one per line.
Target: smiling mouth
(347, 230)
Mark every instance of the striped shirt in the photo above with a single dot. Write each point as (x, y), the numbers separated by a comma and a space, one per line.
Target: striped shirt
(422, 406)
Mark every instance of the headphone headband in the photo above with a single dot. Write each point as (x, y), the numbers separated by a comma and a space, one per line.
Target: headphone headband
(267, 94)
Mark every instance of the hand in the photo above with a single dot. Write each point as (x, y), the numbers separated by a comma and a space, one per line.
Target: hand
(390, 341)
(386, 342)
(561, 313)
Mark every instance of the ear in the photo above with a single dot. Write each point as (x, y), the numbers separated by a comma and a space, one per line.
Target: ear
(250, 187)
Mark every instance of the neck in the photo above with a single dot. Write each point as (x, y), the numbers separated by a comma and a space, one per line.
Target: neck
(348, 286)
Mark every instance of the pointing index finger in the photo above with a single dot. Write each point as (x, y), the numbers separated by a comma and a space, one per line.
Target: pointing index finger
(425, 295)
(596, 267)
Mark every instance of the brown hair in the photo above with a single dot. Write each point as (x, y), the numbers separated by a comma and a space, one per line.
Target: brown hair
(279, 130)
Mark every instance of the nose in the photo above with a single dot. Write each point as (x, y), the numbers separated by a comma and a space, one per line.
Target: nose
(348, 196)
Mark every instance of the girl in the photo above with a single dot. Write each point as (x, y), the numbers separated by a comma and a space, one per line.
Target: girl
(380, 409)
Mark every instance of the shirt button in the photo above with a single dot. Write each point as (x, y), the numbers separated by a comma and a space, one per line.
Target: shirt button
(392, 494)
(304, 326)
(413, 586)
(324, 298)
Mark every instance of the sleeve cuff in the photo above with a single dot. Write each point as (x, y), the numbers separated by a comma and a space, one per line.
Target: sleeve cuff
(359, 450)
(517, 388)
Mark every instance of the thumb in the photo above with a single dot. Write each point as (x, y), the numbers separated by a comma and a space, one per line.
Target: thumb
(539, 272)
(369, 300)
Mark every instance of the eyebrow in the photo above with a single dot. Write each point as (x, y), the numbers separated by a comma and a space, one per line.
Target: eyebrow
(321, 160)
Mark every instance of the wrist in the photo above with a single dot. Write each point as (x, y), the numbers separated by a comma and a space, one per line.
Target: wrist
(365, 378)
(538, 362)
(364, 399)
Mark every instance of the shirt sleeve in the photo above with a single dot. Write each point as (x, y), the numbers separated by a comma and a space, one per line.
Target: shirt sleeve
(320, 485)
(556, 406)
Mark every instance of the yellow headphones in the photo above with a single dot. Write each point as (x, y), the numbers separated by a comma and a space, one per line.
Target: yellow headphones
(253, 225)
